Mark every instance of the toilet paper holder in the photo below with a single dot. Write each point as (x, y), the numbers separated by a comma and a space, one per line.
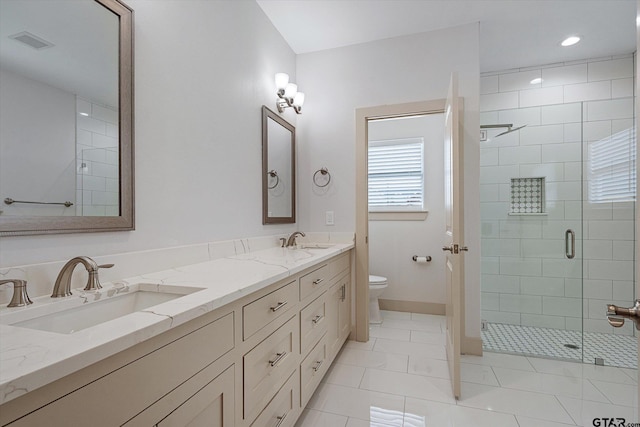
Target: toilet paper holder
(426, 258)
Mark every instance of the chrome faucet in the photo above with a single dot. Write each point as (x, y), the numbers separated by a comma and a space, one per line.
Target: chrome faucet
(62, 287)
(292, 239)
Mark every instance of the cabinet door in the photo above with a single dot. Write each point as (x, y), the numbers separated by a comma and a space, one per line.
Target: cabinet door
(344, 308)
(211, 406)
(338, 314)
(333, 313)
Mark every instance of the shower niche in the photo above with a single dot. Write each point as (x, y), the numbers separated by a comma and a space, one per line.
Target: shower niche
(527, 196)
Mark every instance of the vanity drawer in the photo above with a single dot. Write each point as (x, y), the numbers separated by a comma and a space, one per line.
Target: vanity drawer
(312, 369)
(282, 411)
(311, 282)
(313, 324)
(268, 366)
(339, 265)
(263, 311)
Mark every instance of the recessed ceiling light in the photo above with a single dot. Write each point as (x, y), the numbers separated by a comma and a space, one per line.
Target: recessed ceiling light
(570, 41)
(84, 114)
(536, 81)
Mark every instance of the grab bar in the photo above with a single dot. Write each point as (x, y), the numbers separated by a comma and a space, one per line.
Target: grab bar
(570, 249)
(10, 201)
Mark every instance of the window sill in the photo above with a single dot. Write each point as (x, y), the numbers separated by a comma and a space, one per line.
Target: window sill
(398, 216)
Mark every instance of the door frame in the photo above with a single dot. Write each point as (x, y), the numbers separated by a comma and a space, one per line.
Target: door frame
(363, 115)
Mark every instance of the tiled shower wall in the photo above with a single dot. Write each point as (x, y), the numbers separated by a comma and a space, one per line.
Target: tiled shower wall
(97, 159)
(526, 278)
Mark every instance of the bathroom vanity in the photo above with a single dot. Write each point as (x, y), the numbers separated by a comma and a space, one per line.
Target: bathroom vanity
(248, 348)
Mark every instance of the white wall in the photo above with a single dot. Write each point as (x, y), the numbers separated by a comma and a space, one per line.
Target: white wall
(203, 69)
(392, 244)
(37, 151)
(392, 71)
(526, 278)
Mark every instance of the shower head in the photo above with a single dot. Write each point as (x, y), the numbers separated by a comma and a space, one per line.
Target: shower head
(511, 129)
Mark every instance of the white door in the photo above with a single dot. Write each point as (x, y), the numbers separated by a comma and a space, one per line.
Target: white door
(454, 242)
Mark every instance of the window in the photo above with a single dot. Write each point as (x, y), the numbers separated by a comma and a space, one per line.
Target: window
(396, 175)
(612, 172)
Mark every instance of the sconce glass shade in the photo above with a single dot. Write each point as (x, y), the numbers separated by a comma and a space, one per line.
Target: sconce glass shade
(282, 79)
(291, 90)
(298, 100)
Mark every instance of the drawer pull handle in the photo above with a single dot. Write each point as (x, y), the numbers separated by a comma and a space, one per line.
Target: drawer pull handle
(317, 319)
(318, 364)
(279, 306)
(277, 360)
(344, 292)
(317, 281)
(281, 419)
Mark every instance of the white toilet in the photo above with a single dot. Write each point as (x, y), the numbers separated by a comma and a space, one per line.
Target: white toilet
(377, 285)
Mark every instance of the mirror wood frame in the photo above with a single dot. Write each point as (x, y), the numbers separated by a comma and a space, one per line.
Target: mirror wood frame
(266, 219)
(33, 225)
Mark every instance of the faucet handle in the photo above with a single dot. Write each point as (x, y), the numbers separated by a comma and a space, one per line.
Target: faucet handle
(20, 297)
(93, 282)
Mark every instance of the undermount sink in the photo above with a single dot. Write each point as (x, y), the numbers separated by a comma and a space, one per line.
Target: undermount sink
(84, 310)
(316, 246)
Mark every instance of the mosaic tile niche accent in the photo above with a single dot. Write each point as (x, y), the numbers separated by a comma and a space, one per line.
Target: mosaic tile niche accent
(527, 196)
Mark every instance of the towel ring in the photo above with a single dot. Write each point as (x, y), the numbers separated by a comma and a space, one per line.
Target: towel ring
(322, 172)
(273, 174)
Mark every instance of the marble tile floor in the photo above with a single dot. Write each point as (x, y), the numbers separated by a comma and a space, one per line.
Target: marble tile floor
(400, 378)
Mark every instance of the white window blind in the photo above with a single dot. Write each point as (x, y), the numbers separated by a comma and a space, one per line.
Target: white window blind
(396, 175)
(612, 172)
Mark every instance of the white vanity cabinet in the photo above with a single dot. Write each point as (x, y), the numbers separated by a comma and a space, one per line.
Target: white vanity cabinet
(195, 403)
(253, 362)
(117, 389)
(339, 312)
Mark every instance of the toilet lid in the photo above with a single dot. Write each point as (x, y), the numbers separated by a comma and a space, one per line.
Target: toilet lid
(376, 280)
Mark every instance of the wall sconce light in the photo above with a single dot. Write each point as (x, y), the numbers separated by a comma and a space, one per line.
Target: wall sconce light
(288, 95)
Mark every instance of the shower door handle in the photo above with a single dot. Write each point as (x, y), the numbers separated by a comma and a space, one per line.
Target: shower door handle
(616, 315)
(570, 244)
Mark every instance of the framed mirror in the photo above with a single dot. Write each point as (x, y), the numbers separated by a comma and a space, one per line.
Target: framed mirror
(278, 169)
(66, 117)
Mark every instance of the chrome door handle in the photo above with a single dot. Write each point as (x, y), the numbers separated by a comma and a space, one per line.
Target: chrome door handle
(617, 315)
(570, 244)
(277, 360)
(279, 306)
(455, 248)
(281, 419)
(344, 292)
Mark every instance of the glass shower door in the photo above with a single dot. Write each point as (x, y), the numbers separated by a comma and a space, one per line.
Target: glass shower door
(609, 189)
(532, 233)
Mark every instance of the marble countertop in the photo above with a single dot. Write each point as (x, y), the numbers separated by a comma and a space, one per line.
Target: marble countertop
(31, 358)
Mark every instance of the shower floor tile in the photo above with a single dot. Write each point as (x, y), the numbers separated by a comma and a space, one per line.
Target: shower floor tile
(616, 350)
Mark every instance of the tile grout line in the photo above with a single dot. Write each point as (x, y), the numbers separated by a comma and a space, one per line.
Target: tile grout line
(566, 410)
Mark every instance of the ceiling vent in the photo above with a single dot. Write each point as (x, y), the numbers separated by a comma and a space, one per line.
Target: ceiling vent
(31, 40)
